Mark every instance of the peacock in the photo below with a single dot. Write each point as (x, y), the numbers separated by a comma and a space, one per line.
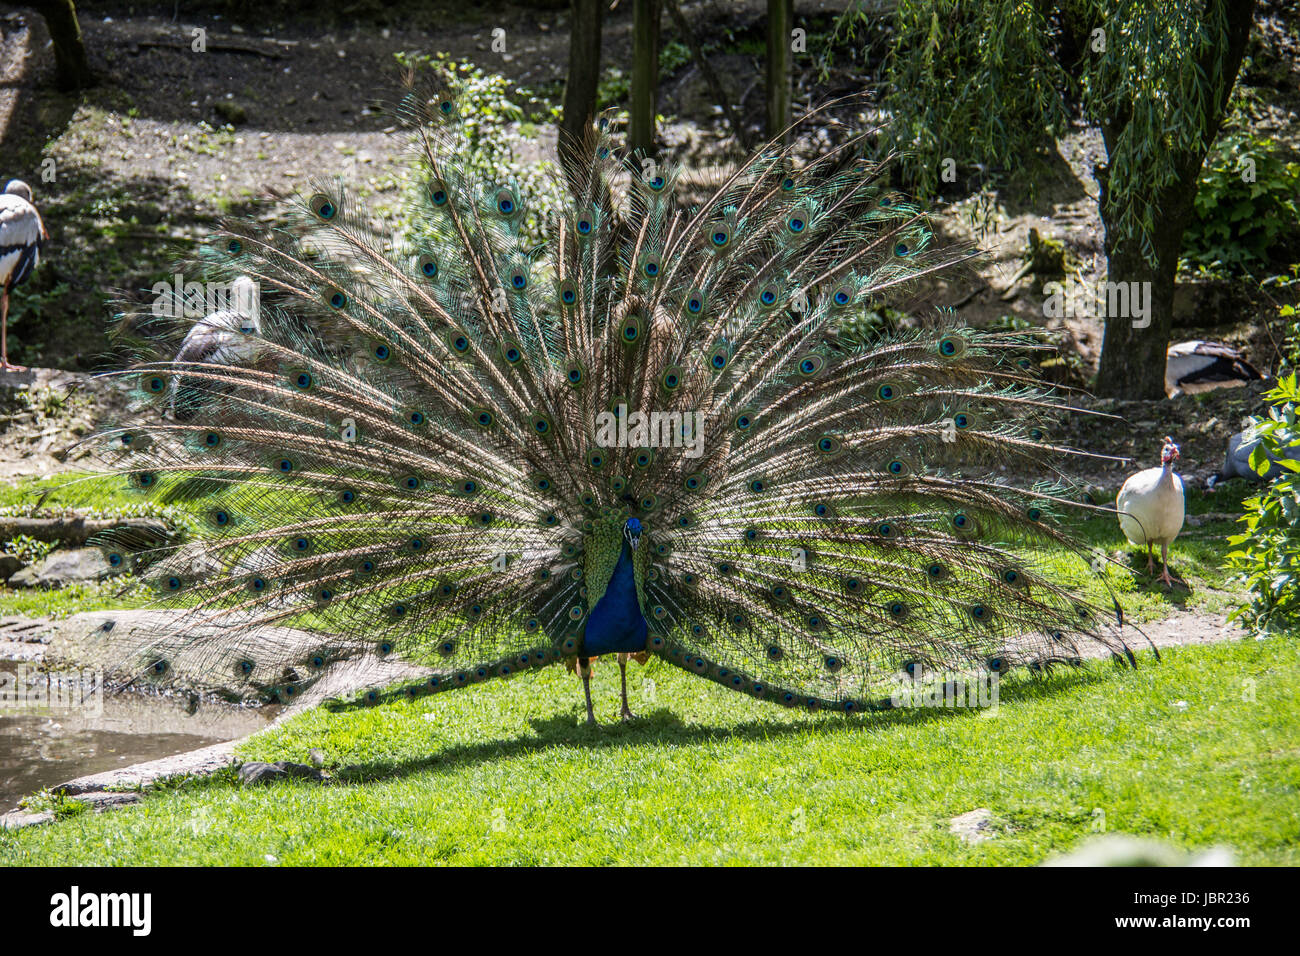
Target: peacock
(457, 454)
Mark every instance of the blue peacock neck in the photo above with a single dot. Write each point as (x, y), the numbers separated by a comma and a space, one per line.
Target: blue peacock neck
(616, 624)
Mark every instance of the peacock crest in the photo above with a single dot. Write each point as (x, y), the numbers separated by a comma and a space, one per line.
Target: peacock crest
(477, 457)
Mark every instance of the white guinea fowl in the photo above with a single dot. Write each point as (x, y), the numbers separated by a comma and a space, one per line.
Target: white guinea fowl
(1150, 507)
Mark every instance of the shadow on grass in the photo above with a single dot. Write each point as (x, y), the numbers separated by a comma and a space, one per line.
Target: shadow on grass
(663, 727)
(1151, 583)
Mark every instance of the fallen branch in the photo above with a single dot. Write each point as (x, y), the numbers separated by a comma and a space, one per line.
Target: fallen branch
(76, 531)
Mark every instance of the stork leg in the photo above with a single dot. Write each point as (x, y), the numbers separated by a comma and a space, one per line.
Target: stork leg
(584, 669)
(622, 671)
(4, 339)
(1164, 564)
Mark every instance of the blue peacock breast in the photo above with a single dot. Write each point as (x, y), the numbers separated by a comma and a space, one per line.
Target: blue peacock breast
(616, 624)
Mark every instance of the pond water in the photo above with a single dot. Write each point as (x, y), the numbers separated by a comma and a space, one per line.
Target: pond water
(49, 735)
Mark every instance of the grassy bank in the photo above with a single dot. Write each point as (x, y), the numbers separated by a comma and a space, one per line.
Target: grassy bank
(1200, 750)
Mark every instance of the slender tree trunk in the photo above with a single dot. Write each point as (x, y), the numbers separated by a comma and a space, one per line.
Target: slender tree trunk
(780, 21)
(579, 105)
(1133, 347)
(1133, 352)
(645, 75)
(69, 50)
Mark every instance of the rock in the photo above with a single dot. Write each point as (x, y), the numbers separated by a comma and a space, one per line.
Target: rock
(256, 772)
(10, 564)
(974, 826)
(233, 113)
(101, 800)
(21, 818)
(62, 568)
(200, 763)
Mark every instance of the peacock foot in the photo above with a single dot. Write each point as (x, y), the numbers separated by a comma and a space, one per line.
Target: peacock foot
(627, 713)
(1169, 582)
(6, 367)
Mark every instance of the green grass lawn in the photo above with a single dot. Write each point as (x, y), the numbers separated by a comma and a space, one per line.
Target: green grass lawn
(1200, 750)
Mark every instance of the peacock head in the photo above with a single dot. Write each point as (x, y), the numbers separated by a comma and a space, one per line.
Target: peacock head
(1169, 453)
(632, 532)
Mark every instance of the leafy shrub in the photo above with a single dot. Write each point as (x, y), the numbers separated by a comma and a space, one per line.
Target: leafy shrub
(1267, 553)
(492, 119)
(1242, 225)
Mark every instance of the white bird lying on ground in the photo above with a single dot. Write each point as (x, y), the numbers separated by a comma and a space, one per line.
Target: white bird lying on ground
(1236, 463)
(228, 337)
(1150, 507)
(21, 236)
(1199, 366)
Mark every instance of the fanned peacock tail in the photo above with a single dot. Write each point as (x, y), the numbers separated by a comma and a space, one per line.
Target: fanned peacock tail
(427, 449)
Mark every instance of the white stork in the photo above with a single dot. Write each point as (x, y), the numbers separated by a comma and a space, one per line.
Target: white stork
(1199, 366)
(21, 236)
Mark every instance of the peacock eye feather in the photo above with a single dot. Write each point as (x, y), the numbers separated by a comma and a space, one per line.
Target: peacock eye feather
(507, 203)
(952, 346)
(630, 333)
(323, 207)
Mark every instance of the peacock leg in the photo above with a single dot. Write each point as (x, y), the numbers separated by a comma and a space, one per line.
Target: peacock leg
(1164, 566)
(1151, 568)
(584, 668)
(622, 670)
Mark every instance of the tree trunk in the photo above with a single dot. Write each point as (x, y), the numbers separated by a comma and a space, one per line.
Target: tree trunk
(69, 50)
(645, 75)
(780, 21)
(1133, 346)
(1133, 352)
(579, 105)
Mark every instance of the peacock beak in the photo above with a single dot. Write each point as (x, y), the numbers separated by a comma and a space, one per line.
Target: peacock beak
(634, 540)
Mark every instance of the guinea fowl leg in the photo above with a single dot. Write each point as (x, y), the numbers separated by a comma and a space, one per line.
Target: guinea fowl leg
(584, 668)
(1164, 565)
(622, 669)
(4, 333)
